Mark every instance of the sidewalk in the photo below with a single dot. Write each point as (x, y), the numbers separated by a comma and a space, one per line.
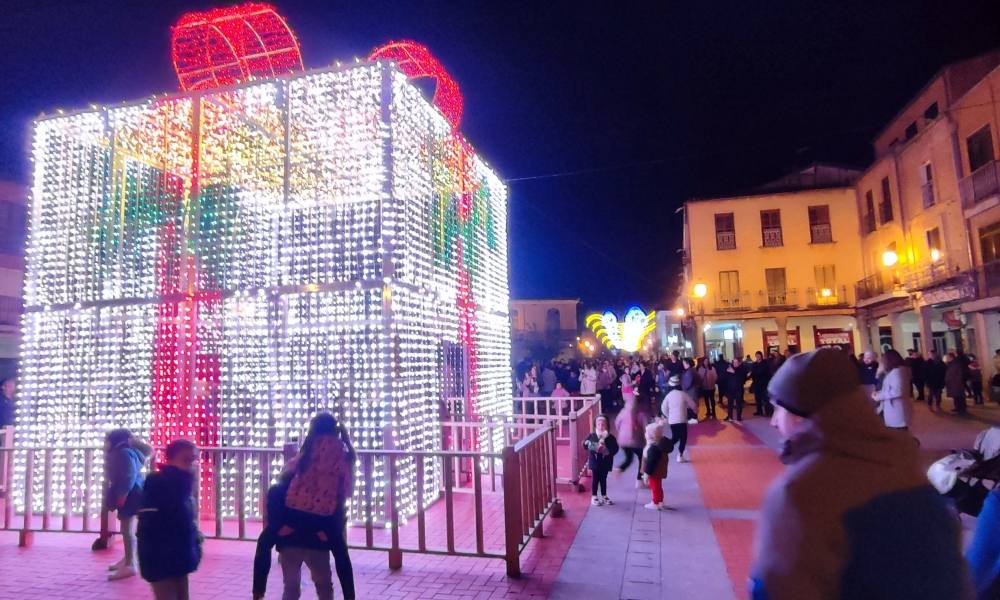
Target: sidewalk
(702, 550)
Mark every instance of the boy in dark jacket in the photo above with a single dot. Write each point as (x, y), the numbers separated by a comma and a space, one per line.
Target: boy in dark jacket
(124, 458)
(602, 447)
(169, 540)
(655, 462)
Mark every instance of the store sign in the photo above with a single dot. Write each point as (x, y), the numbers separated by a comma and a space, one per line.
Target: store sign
(771, 338)
(833, 338)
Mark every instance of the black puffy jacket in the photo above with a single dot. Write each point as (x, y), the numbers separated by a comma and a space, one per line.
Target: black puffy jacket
(169, 541)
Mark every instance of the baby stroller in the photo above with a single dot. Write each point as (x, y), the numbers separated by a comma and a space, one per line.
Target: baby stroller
(967, 476)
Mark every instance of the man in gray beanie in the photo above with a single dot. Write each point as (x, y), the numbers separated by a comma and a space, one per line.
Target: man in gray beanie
(853, 516)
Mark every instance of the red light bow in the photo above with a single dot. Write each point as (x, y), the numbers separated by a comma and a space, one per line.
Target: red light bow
(230, 45)
(416, 61)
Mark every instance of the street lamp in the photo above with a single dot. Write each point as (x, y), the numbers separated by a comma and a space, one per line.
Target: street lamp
(889, 258)
(680, 312)
(935, 255)
(699, 291)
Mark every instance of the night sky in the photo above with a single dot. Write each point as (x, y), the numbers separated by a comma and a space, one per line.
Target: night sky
(643, 106)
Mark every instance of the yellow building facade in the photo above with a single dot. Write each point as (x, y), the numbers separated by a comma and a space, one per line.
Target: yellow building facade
(914, 249)
(773, 270)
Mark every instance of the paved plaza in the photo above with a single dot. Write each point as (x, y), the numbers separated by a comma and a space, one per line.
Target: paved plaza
(701, 549)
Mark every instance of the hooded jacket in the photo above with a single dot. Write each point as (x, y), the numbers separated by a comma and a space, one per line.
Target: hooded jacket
(169, 541)
(123, 467)
(597, 459)
(853, 516)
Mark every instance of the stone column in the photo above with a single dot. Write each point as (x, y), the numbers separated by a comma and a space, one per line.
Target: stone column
(898, 336)
(924, 316)
(782, 324)
(699, 335)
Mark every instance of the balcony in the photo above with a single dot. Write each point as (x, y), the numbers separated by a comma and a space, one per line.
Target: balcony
(928, 275)
(725, 240)
(778, 299)
(883, 282)
(927, 190)
(772, 237)
(732, 302)
(988, 279)
(983, 183)
(821, 233)
(827, 297)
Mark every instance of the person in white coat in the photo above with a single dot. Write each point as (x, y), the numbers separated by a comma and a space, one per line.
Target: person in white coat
(675, 409)
(895, 400)
(588, 380)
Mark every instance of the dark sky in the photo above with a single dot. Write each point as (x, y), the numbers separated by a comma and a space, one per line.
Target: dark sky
(655, 101)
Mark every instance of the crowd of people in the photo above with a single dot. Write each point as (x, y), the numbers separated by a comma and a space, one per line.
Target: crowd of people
(305, 517)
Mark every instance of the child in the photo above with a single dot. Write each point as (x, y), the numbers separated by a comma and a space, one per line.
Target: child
(169, 540)
(655, 461)
(124, 458)
(602, 446)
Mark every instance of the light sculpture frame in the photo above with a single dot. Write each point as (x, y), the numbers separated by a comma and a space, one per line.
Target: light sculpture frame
(220, 265)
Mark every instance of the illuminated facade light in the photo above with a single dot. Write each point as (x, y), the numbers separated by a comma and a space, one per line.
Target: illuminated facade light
(680, 312)
(935, 255)
(700, 290)
(826, 292)
(890, 258)
(626, 335)
(222, 265)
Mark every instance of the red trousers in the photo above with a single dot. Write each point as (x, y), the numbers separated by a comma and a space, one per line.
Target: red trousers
(656, 486)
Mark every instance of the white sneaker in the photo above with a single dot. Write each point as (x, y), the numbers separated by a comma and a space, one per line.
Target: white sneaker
(117, 565)
(692, 421)
(653, 506)
(680, 457)
(638, 484)
(123, 573)
(596, 501)
(607, 501)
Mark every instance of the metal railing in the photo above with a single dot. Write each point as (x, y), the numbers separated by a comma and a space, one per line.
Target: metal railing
(725, 240)
(874, 285)
(778, 299)
(771, 237)
(833, 296)
(383, 516)
(927, 191)
(821, 233)
(920, 277)
(980, 184)
(987, 279)
(572, 419)
(733, 301)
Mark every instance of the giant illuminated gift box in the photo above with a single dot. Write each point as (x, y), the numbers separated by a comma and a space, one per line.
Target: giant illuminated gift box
(220, 265)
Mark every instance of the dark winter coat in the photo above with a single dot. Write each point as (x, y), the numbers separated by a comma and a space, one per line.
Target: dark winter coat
(123, 467)
(169, 541)
(954, 379)
(868, 373)
(934, 370)
(761, 373)
(596, 460)
(656, 458)
(734, 382)
(6, 411)
(916, 365)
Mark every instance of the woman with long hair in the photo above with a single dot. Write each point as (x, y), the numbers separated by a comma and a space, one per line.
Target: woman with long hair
(708, 378)
(895, 399)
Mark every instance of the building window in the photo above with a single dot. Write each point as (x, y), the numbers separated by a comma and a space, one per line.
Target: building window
(819, 224)
(933, 240)
(725, 231)
(885, 206)
(980, 147)
(989, 243)
(932, 112)
(729, 289)
(927, 184)
(911, 131)
(869, 217)
(552, 320)
(826, 284)
(776, 290)
(770, 228)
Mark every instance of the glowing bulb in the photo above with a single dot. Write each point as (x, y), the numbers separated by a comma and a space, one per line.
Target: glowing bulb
(826, 292)
(700, 290)
(889, 258)
(680, 312)
(935, 255)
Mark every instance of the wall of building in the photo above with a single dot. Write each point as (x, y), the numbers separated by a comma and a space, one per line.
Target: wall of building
(798, 256)
(532, 315)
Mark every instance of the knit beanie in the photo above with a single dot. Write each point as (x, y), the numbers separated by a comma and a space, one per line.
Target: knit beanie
(674, 381)
(807, 382)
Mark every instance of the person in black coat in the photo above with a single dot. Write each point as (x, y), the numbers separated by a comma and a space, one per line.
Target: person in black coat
(601, 447)
(917, 375)
(760, 370)
(934, 371)
(735, 380)
(169, 540)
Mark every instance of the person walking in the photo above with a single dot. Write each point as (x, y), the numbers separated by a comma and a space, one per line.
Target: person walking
(548, 380)
(954, 382)
(708, 378)
(691, 384)
(588, 380)
(975, 381)
(601, 447)
(168, 536)
(675, 410)
(605, 388)
(852, 515)
(894, 400)
(124, 458)
(760, 371)
(935, 370)
(916, 364)
(662, 377)
(656, 463)
(735, 382)
(629, 425)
